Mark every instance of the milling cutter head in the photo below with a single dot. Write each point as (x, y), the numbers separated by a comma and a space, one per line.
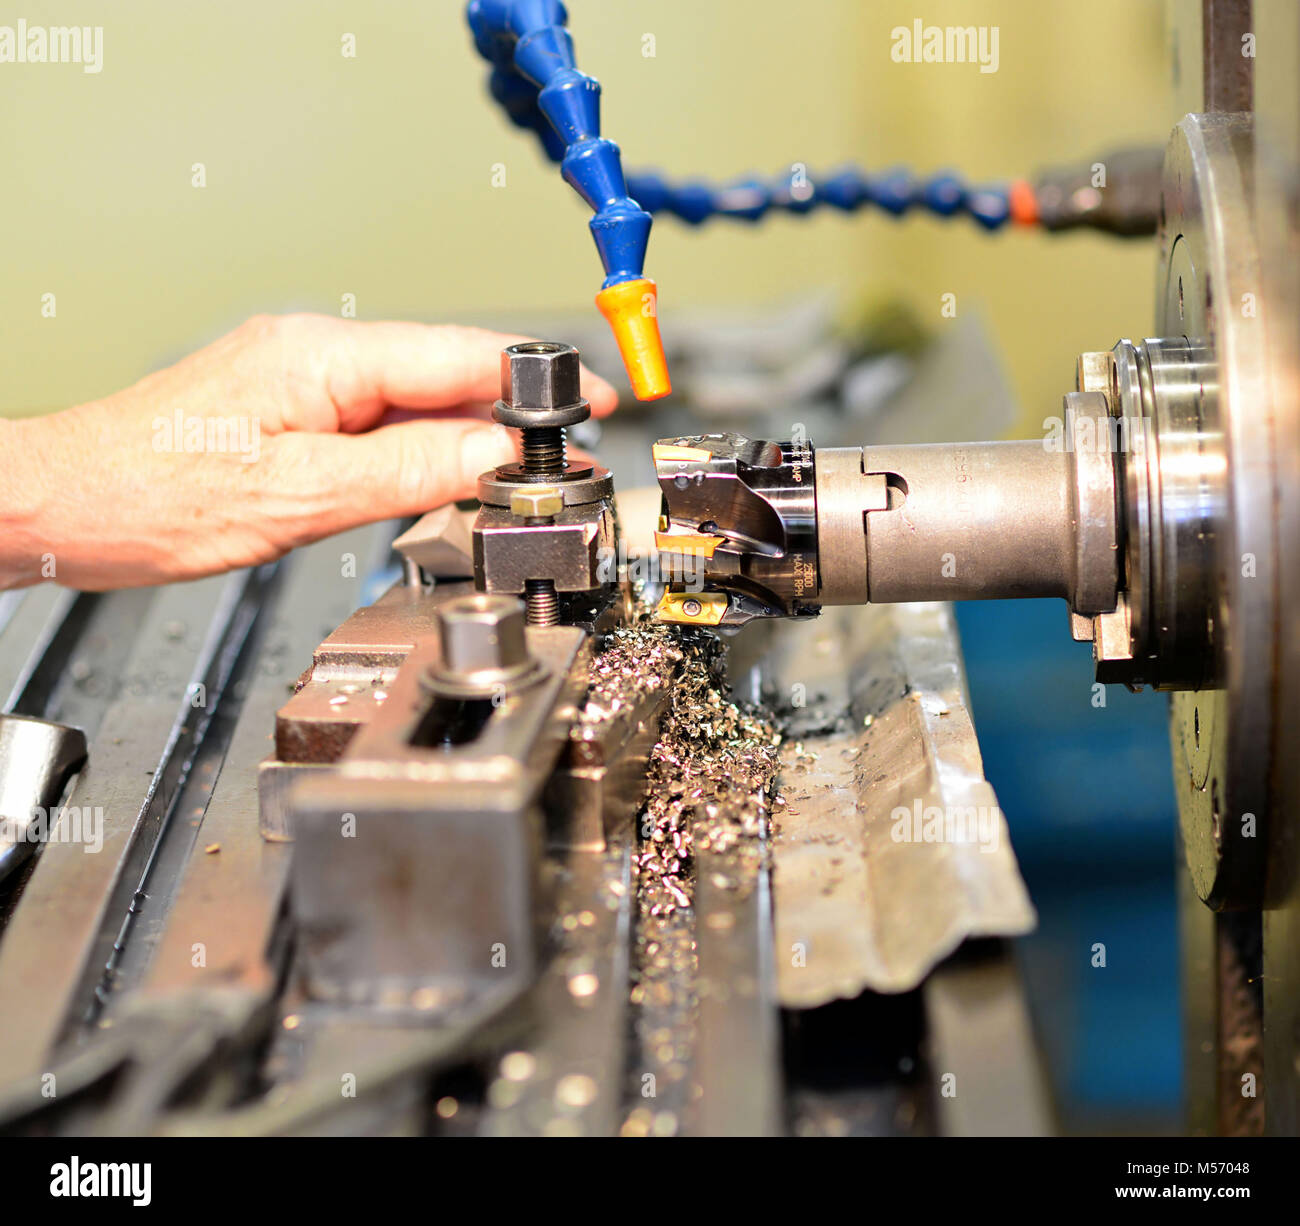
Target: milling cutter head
(737, 538)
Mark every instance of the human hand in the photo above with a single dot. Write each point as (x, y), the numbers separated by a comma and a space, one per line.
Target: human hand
(287, 430)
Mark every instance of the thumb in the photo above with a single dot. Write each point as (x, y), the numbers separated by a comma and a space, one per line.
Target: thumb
(405, 469)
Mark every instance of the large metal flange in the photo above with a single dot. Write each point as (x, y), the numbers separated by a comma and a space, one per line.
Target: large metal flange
(1223, 735)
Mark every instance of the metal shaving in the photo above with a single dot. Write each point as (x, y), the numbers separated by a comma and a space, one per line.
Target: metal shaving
(708, 783)
(709, 777)
(635, 662)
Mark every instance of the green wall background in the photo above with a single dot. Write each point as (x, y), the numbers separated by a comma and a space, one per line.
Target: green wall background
(373, 176)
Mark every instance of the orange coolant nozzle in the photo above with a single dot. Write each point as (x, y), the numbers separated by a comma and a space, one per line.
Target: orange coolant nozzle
(631, 307)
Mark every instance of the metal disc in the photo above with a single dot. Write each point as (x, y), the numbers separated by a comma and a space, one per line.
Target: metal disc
(1208, 291)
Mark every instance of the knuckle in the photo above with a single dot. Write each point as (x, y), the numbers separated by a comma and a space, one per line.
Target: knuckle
(260, 327)
(295, 328)
(417, 464)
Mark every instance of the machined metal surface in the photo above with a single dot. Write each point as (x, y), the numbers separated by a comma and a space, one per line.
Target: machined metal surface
(887, 817)
(1171, 477)
(441, 542)
(1277, 155)
(575, 551)
(1228, 284)
(845, 493)
(971, 522)
(1093, 506)
(584, 484)
(584, 1042)
(58, 949)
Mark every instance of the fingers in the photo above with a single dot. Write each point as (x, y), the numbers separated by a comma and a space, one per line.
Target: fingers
(368, 367)
(340, 481)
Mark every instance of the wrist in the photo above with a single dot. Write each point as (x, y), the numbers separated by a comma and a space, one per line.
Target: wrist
(25, 553)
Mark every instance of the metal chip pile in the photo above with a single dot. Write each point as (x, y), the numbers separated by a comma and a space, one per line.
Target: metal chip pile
(709, 776)
(636, 661)
(708, 782)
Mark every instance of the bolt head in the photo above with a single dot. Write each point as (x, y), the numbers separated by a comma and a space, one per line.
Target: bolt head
(540, 375)
(482, 634)
(536, 502)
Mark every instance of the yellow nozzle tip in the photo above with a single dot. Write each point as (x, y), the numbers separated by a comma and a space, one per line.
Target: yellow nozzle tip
(631, 307)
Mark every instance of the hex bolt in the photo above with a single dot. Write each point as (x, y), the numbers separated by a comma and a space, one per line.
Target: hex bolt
(545, 452)
(481, 632)
(541, 602)
(484, 648)
(541, 394)
(537, 505)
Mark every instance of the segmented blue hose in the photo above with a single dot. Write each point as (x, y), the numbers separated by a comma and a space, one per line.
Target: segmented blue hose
(847, 189)
(536, 81)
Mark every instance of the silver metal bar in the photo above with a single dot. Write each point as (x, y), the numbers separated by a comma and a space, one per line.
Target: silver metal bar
(9, 602)
(738, 1045)
(69, 650)
(569, 1081)
(221, 927)
(62, 932)
(37, 759)
(982, 1051)
(30, 619)
(134, 951)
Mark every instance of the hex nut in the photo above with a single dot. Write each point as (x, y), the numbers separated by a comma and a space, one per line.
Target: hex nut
(484, 648)
(541, 385)
(540, 375)
(537, 502)
(481, 632)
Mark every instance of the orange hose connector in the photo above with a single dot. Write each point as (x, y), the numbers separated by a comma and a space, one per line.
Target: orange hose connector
(1024, 203)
